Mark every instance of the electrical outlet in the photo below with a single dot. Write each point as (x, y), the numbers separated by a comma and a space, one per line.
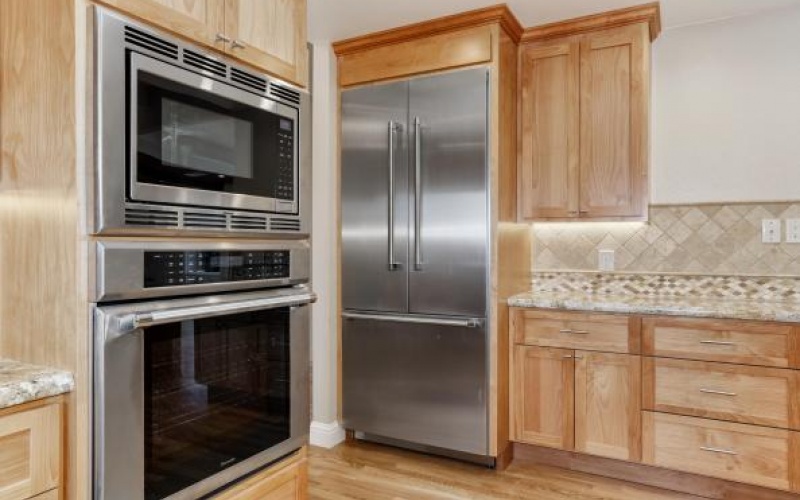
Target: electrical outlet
(605, 260)
(792, 230)
(771, 231)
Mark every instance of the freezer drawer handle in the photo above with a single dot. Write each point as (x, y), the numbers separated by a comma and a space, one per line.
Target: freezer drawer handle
(420, 320)
(393, 127)
(131, 322)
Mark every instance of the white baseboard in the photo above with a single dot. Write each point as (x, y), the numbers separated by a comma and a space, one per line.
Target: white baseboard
(326, 435)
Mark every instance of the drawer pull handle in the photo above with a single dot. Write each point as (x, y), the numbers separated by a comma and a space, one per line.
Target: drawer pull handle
(718, 450)
(575, 332)
(569, 356)
(717, 342)
(719, 393)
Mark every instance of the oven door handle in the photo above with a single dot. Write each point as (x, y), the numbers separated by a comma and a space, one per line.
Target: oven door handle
(131, 322)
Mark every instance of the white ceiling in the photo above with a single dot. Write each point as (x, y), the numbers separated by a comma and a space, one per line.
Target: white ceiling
(331, 20)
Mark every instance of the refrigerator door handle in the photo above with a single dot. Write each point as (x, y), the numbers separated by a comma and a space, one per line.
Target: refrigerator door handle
(419, 320)
(417, 194)
(393, 127)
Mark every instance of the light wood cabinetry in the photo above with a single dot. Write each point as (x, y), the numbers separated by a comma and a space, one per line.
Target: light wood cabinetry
(270, 36)
(287, 480)
(584, 119)
(571, 330)
(757, 455)
(582, 400)
(31, 446)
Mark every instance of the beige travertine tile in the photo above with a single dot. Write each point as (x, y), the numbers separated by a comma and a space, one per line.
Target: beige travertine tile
(716, 239)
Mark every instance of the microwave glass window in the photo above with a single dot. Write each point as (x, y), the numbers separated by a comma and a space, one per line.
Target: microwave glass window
(217, 391)
(190, 138)
(196, 138)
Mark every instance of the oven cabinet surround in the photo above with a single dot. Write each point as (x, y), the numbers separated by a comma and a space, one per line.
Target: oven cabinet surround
(480, 38)
(31, 450)
(286, 480)
(268, 35)
(584, 117)
(710, 397)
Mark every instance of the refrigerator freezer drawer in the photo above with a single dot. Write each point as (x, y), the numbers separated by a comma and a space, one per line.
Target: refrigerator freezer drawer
(417, 382)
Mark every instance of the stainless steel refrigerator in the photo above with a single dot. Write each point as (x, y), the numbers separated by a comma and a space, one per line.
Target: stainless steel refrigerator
(415, 261)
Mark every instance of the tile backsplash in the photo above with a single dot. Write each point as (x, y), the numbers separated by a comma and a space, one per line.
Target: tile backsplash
(714, 239)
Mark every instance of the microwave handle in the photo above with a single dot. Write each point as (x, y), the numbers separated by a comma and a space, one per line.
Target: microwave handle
(131, 322)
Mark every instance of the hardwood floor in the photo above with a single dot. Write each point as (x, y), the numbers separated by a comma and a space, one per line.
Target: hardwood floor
(357, 470)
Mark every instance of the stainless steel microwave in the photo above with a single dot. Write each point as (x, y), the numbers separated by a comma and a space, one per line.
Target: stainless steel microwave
(187, 141)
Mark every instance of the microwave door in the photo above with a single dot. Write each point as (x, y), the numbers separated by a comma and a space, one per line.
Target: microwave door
(197, 141)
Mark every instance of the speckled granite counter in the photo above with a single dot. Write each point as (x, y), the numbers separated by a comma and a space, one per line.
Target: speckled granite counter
(21, 382)
(674, 306)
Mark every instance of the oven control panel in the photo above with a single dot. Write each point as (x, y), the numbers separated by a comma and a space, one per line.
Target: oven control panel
(204, 267)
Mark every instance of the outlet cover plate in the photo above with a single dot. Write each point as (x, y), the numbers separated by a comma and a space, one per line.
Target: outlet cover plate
(792, 230)
(605, 260)
(771, 231)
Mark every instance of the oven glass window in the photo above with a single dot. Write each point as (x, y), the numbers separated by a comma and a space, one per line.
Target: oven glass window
(196, 139)
(216, 393)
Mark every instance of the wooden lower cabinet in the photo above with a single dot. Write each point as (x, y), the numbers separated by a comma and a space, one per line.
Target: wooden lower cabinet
(581, 400)
(751, 454)
(286, 480)
(30, 450)
(608, 405)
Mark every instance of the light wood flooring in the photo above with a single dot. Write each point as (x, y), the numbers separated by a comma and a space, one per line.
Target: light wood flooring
(357, 470)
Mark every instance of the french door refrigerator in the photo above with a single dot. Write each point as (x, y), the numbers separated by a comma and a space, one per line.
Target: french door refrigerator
(415, 261)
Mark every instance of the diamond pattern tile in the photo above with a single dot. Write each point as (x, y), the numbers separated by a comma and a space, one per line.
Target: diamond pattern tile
(717, 239)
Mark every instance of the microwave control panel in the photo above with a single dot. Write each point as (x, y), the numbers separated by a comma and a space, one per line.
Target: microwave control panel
(285, 180)
(203, 267)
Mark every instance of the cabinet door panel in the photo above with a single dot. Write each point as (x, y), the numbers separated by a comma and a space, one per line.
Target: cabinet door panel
(270, 35)
(543, 396)
(614, 100)
(549, 130)
(608, 405)
(197, 20)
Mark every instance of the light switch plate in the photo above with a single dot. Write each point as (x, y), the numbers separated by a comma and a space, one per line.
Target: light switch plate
(605, 260)
(771, 231)
(792, 230)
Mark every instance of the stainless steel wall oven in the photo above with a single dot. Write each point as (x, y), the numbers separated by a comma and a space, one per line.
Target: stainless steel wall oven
(187, 141)
(195, 391)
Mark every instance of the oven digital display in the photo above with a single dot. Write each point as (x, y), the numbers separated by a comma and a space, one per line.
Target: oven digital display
(198, 267)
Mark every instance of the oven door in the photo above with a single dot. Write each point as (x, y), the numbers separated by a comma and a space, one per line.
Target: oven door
(197, 141)
(191, 394)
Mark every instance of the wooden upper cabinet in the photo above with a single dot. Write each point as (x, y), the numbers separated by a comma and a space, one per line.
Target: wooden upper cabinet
(269, 35)
(549, 119)
(584, 118)
(614, 133)
(198, 20)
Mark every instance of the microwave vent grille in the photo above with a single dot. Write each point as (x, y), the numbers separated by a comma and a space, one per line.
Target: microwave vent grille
(204, 220)
(151, 217)
(150, 42)
(284, 224)
(249, 80)
(284, 93)
(248, 223)
(205, 63)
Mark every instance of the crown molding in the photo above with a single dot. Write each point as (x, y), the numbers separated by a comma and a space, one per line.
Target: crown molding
(497, 14)
(649, 13)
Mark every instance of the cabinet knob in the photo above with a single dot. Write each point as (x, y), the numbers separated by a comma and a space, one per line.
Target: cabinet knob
(222, 38)
(238, 44)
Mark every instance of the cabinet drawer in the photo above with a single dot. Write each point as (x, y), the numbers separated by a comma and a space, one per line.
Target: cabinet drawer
(566, 330)
(286, 480)
(30, 451)
(730, 341)
(746, 453)
(749, 394)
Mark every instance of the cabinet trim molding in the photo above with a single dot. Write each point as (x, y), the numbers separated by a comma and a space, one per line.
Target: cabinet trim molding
(490, 15)
(649, 13)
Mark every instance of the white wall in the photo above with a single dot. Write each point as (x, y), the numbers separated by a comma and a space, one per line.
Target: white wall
(324, 260)
(726, 110)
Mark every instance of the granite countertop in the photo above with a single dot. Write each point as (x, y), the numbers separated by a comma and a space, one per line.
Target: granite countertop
(21, 382)
(788, 312)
